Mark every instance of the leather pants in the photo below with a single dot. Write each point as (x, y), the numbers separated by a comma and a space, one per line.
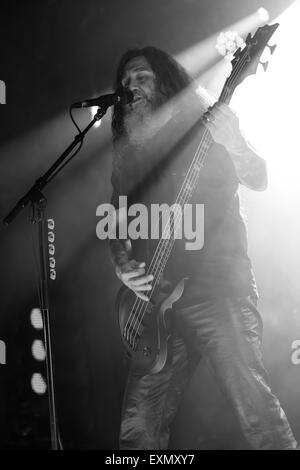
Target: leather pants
(229, 332)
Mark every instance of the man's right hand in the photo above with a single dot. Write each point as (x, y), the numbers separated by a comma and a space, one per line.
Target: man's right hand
(132, 275)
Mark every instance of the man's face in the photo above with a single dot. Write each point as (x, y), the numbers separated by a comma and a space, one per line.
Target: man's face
(140, 123)
(140, 79)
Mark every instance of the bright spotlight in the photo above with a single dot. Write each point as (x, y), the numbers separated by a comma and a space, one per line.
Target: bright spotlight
(36, 318)
(38, 350)
(263, 14)
(228, 42)
(38, 383)
(94, 109)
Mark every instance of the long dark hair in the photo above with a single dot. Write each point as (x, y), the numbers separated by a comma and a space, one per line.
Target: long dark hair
(171, 79)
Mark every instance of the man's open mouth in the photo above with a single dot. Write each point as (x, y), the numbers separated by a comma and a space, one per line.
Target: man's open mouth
(138, 98)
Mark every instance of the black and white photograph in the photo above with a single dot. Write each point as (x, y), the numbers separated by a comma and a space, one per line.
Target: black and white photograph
(149, 227)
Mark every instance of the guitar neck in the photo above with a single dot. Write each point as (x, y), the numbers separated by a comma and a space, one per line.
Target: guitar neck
(244, 63)
(167, 240)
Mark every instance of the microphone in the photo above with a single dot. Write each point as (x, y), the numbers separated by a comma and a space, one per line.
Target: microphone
(124, 97)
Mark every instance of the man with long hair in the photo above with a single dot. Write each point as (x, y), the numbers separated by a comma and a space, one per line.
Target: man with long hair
(154, 138)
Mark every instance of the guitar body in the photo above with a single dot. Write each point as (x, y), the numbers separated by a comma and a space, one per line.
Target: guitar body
(147, 341)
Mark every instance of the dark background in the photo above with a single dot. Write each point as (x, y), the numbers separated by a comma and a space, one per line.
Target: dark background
(52, 53)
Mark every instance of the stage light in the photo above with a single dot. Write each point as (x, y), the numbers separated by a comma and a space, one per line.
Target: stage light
(270, 119)
(38, 350)
(263, 14)
(38, 383)
(36, 318)
(206, 49)
(227, 43)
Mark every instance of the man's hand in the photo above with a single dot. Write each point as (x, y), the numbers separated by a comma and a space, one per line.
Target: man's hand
(132, 275)
(224, 127)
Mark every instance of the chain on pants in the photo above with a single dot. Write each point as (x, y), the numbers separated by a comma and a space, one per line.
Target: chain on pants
(229, 332)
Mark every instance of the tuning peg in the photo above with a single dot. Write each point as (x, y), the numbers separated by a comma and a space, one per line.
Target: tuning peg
(272, 48)
(265, 65)
(248, 38)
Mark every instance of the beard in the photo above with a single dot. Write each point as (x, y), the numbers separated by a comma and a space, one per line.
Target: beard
(142, 121)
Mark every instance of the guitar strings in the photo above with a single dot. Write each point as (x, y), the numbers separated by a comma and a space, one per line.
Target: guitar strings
(167, 245)
(161, 245)
(161, 266)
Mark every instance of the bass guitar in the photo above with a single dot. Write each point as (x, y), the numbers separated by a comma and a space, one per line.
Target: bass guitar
(144, 326)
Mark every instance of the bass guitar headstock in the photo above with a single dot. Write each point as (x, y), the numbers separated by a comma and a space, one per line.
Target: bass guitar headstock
(246, 59)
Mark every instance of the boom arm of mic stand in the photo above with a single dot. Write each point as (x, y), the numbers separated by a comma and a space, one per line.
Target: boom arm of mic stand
(44, 179)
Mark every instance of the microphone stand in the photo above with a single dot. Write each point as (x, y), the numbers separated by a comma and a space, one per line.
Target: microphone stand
(38, 202)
